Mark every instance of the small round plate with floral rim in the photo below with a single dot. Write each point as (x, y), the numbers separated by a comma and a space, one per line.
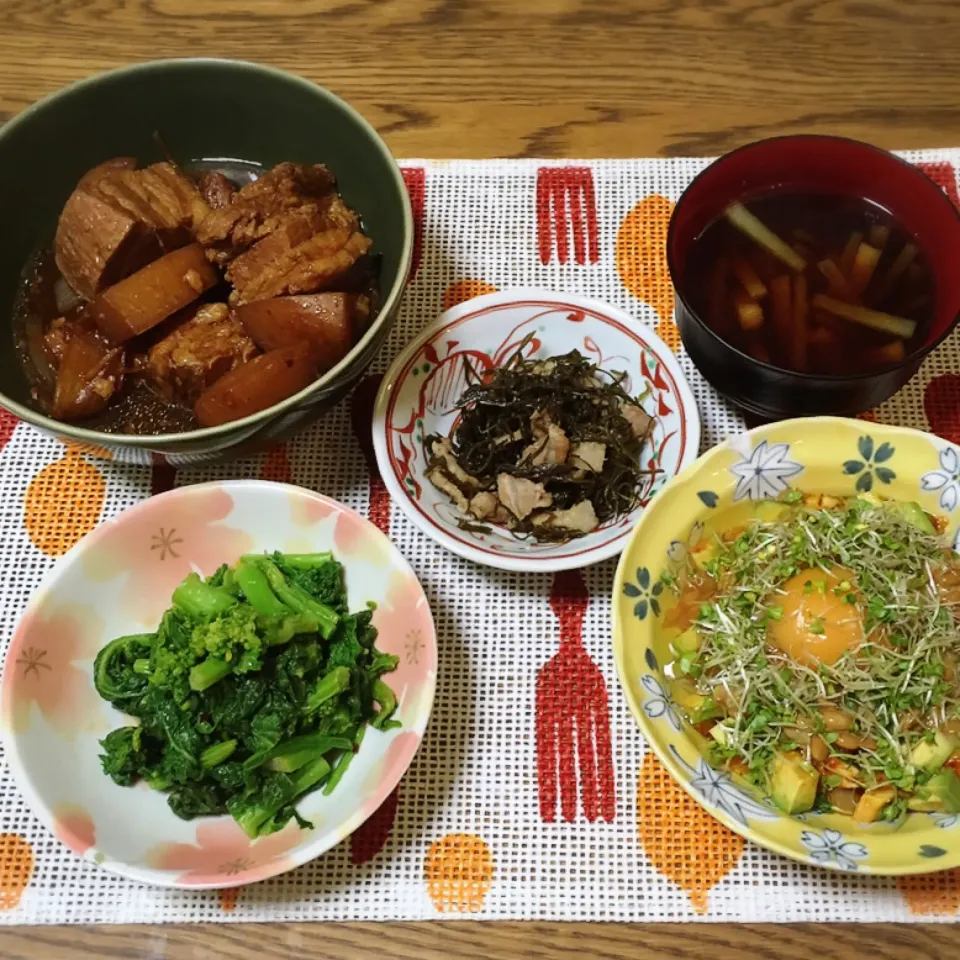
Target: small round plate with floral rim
(419, 394)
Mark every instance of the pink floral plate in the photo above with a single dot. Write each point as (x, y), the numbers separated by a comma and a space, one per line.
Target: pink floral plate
(118, 580)
(419, 394)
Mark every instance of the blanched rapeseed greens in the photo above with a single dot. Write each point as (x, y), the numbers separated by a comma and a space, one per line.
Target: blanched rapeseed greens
(256, 689)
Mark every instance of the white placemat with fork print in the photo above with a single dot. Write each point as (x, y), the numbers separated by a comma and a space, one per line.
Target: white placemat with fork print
(473, 828)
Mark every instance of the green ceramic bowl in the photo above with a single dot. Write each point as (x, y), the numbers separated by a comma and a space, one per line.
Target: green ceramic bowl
(203, 109)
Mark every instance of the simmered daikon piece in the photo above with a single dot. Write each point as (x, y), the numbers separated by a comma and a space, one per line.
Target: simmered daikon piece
(323, 322)
(258, 384)
(150, 295)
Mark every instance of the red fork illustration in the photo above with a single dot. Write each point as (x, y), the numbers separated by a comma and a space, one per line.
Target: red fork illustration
(276, 465)
(573, 717)
(368, 839)
(416, 180)
(944, 176)
(8, 423)
(567, 208)
(163, 474)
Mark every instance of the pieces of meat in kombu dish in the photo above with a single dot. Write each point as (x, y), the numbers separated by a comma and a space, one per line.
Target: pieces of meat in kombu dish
(283, 265)
(217, 190)
(262, 206)
(550, 449)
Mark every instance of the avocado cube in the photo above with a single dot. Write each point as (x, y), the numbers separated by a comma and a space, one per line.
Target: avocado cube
(793, 783)
(914, 514)
(941, 793)
(695, 705)
(770, 511)
(705, 551)
(872, 803)
(688, 641)
(932, 756)
(686, 696)
(720, 733)
(708, 710)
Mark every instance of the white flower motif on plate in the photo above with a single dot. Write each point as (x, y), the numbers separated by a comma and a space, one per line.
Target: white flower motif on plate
(764, 473)
(946, 479)
(830, 847)
(659, 703)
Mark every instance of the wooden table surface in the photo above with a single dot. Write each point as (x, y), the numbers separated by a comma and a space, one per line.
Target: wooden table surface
(541, 78)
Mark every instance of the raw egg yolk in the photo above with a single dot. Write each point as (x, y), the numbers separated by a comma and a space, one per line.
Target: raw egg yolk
(817, 625)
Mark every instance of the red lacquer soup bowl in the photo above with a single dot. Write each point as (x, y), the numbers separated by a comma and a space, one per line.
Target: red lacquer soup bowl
(816, 165)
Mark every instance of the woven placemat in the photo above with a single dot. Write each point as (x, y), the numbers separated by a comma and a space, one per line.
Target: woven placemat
(472, 830)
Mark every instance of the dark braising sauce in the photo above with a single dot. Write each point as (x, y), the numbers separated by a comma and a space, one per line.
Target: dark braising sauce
(137, 408)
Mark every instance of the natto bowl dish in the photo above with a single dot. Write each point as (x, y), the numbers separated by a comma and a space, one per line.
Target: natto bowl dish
(815, 455)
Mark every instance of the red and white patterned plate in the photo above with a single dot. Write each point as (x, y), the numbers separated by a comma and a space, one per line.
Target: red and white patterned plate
(421, 388)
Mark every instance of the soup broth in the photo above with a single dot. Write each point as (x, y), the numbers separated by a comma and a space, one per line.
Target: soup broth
(820, 284)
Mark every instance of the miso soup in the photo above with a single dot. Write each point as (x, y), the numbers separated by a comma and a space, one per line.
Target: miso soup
(814, 283)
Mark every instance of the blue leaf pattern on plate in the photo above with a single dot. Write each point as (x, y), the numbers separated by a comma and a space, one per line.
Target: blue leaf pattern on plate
(720, 792)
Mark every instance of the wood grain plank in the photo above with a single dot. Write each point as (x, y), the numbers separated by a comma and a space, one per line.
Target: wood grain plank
(554, 77)
(483, 941)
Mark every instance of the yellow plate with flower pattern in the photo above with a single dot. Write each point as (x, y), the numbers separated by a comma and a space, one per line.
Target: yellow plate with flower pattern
(822, 455)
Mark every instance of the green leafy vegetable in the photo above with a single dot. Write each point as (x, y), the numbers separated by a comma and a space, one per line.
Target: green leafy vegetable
(255, 689)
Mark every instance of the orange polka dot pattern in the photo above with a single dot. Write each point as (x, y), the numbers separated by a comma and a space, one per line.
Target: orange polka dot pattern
(63, 502)
(16, 869)
(458, 873)
(464, 290)
(641, 260)
(90, 449)
(931, 894)
(681, 839)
